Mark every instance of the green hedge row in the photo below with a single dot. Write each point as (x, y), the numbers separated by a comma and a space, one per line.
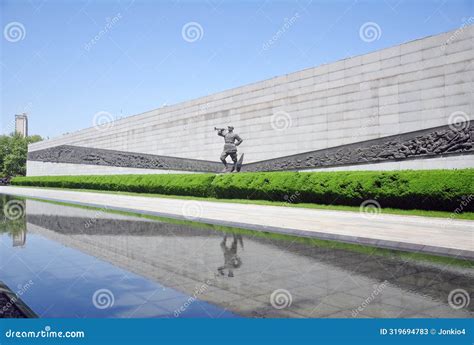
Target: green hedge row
(447, 190)
(172, 184)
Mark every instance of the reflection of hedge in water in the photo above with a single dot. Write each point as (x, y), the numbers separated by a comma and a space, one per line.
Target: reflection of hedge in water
(446, 190)
(12, 227)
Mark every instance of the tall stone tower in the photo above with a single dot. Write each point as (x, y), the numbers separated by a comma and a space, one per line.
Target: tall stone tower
(21, 124)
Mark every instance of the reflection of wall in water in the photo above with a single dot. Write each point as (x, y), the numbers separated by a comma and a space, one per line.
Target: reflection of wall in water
(174, 251)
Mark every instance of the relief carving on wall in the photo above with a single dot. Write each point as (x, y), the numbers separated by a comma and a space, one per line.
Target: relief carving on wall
(420, 144)
(433, 142)
(93, 156)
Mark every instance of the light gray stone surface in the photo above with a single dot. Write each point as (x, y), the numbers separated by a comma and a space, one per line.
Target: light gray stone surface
(440, 235)
(409, 87)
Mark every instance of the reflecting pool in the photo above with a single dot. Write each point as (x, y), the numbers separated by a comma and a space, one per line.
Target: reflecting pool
(68, 261)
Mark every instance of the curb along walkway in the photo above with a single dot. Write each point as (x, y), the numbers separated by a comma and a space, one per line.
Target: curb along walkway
(413, 233)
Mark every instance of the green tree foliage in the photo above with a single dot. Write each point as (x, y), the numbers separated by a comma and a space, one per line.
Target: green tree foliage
(13, 153)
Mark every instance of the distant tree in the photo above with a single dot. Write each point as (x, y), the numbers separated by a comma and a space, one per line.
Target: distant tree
(13, 153)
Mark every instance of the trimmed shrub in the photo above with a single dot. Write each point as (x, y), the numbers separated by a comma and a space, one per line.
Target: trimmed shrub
(422, 189)
(172, 184)
(447, 190)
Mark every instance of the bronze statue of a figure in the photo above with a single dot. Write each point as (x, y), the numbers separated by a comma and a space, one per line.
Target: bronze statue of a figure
(232, 140)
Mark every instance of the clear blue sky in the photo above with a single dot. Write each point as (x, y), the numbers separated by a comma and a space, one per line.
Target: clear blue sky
(142, 61)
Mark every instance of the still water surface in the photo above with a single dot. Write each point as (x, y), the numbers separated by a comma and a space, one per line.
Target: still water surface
(66, 261)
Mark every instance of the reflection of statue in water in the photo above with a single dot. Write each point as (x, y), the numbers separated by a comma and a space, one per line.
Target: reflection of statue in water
(231, 259)
(232, 140)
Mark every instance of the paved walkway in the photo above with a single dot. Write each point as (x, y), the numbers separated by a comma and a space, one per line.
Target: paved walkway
(422, 234)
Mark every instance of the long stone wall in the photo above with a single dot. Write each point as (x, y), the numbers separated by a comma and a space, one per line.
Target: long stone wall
(444, 142)
(410, 87)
